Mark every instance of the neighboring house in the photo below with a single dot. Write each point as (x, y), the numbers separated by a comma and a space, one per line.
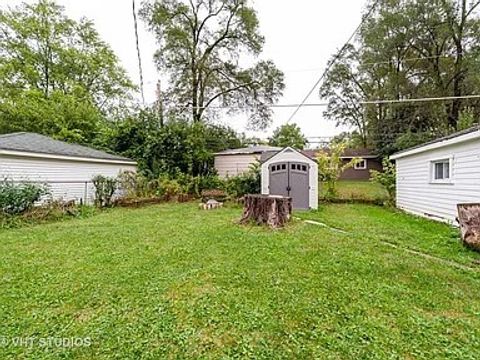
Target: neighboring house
(66, 168)
(234, 162)
(362, 170)
(432, 179)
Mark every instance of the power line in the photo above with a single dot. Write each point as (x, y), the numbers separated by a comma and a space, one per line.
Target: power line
(337, 57)
(135, 23)
(324, 104)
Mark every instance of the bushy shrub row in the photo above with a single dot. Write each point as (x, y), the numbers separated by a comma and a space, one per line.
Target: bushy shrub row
(16, 198)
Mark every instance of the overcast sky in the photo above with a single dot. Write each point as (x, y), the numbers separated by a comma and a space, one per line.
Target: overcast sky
(301, 36)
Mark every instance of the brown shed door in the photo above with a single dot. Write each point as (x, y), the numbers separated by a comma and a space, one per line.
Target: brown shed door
(291, 179)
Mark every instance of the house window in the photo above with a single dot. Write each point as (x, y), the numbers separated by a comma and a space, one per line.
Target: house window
(441, 171)
(361, 165)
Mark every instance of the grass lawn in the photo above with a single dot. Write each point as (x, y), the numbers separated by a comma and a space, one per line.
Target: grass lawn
(359, 190)
(171, 281)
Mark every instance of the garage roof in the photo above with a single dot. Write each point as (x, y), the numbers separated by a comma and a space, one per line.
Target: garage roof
(250, 150)
(31, 143)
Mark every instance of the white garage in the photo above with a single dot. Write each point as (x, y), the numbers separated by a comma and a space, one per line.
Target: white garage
(67, 169)
(291, 173)
(432, 179)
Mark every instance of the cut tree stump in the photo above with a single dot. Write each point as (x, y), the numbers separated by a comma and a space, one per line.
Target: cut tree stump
(469, 220)
(274, 211)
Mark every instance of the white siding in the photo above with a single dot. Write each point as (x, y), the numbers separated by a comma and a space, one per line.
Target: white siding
(293, 156)
(67, 180)
(417, 194)
(233, 165)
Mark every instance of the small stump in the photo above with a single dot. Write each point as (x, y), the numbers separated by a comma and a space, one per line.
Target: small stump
(469, 220)
(274, 211)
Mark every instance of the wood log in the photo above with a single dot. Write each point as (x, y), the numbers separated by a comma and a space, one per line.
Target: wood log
(274, 211)
(469, 220)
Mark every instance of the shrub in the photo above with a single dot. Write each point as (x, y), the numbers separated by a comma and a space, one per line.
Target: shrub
(331, 167)
(105, 188)
(247, 183)
(388, 179)
(168, 188)
(18, 198)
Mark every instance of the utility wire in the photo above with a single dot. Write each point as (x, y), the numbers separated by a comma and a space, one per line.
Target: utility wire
(140, 68)
(324, 104)
(337, 57)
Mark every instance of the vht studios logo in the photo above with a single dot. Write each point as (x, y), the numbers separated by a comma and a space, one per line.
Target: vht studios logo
(45, 342)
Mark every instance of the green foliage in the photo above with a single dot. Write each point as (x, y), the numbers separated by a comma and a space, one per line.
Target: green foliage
(388, 179)
(49, 211)
(177, 147)
(331, 166)
(289, 135)
(200, 44)
(105, 188)
(17, 198)
(168, 188)
(57, 77)
(393, 60)
(249, 182)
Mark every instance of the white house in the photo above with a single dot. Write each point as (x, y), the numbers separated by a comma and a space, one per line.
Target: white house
(432, 179)
(289, 172)
(234, 162)
(67, 169)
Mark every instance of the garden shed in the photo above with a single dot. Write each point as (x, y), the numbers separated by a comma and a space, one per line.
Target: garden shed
(434, 178)
(67, 169)
(290, 172)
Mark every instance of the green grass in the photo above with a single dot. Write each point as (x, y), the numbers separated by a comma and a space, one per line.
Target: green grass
(171, 281)
(359, 190)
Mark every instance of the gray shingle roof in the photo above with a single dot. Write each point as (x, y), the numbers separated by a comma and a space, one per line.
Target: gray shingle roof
(40, 144)
(250, 150)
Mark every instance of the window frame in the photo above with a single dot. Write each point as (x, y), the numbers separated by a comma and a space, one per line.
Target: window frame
(364, 167)
(444, 180)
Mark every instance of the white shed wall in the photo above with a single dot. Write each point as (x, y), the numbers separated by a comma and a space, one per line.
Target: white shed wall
(233, 165)
(418, 195)
(293, 157)
(67, 180)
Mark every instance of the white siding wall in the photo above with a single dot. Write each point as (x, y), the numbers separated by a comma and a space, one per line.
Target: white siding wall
(67, 180)
(233, 165)
(417, 194)
(293, 157)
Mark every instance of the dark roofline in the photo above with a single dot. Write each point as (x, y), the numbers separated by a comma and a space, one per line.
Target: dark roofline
(99, 154)
(442, 139)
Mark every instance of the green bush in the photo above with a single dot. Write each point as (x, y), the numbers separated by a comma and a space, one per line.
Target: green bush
(247, 183)
(388, 179)
(105, 188)
(168, 188)
(18, 198)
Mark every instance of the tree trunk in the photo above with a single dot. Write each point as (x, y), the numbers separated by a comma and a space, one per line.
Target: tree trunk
(274, 211)
(469, 220)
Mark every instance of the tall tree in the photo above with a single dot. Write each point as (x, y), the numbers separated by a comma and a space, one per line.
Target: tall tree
(57, 76)
(200, 46)
(407, 50)
(288, 135)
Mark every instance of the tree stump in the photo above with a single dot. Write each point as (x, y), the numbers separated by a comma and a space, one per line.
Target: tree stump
(274, 211)
(469, 220)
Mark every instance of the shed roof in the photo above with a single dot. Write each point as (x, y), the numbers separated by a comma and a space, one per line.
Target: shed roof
(250, 150)
(457, 137)
(25, 142)
(268, 155)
